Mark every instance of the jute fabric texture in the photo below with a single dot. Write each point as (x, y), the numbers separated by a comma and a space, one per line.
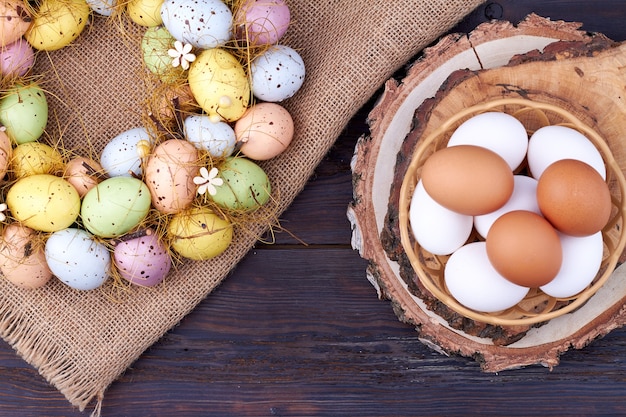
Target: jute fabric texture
(82, 341)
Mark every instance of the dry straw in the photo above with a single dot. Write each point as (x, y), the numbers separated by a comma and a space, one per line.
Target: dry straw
(537, 306)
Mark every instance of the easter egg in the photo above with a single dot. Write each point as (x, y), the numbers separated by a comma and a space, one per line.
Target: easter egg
(76, 259)
(246, 186)
(145, 12)
(121, 156)
(215, 137)
(143, 261)
(204, 24)
(115, 206)
(16, 59)
(24, 112)
(32, 158)
(219, 84)
(102, 7)
(57, 24)
(83, 173)
(199, 233)
(6, 152)
(262, 22)
(265, 130)
(277, 74)
(155, 44)
(15, 20)
(22, 257)
(43, 202)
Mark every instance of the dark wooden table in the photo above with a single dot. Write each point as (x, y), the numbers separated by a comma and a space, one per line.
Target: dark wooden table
(297, 330)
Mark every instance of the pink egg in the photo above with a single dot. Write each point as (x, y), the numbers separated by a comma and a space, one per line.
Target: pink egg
(16, 59)
(143, 261)
(262, 22)
(264, 131)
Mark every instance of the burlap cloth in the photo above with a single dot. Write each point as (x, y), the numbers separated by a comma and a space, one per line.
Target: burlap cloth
(82, 341)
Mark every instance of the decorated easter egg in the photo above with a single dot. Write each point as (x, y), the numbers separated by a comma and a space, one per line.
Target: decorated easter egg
(78, 260)
(121, 156)
(262, 22)
(215, 137)
(24, 112)
(102, 7)
(6, 152)
(169, 175)
(277, 73)
(199, 233)
(115, 206)
(22, 258)
(246, 186)
(264, 131)
(143, 261)
(204, 24)
(155, 44)
(16, 59)
(219, 84)
(57, 24)
(44, 202)
(83, 173)
(15, 19)
(145, 12)
(32, 158)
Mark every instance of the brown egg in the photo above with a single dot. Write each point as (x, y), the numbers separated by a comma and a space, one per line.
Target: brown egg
(468, 179)
(22, 259)
(574, 198)
(83, 173)
(524, 248)
(6, 151)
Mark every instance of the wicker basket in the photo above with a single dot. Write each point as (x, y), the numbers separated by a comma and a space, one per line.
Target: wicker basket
(537, 306)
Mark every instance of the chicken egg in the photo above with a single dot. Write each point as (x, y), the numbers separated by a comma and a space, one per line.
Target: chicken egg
(277, 74)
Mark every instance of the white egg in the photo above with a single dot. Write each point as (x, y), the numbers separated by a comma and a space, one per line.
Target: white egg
(277, 73)
(77, 260)
(582, 257)
(102, 7)
(498, 132)
(217, 138)
(437, 229)
(204, 24)
(120, 156)
(474, 283)
(524, 197)
(553, 143)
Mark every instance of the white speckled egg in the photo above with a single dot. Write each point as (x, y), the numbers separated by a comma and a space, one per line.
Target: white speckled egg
(102, 7)
(277, 74)
(120, 156)
(77, 259)
(215, 137)
(203, 23)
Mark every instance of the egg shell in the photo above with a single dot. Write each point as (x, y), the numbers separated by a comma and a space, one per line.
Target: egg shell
(76, 259)
(468, 179)
(143, 261)
(219, 84)
(437, 229)
(22, 257)
(199, 233)
(165, 109)
(277, 74)
(204, 24)
(524, 197)
(246, 186)
(524, 248)
(498, 132)
(16, 59)
(24, 112)
(57, 23)
(145, 12)
(43, 202)
(169, 175)
(15, 19)
(472, 281)
(261, 22)
(115, 206)
(83, 173)
(6, 152)
(102, 7)
(120, 156)
(574, 198)
(33, 158)
(265, 130)
(155, 44)
(215, 137)
(552, 143)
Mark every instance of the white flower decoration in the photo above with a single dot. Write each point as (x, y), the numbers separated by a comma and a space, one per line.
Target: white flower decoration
(182, 55)
(3, 208)
(207, 181)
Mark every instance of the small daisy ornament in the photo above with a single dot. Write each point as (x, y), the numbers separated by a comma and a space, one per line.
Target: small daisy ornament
(207, 181)
(181, 55)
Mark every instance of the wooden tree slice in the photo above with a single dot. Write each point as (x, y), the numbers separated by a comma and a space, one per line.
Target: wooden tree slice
(547, 61)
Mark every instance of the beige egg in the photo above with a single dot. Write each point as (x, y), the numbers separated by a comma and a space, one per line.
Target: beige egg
(14, 21)
(169, 175)
(83, 173)
(22, 259)
(33, 158)
(6, 151)
(264, 131)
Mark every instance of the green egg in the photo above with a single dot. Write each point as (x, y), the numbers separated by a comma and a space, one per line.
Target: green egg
(24, 112)
(155, 43)
(246, 186)
(115, 206)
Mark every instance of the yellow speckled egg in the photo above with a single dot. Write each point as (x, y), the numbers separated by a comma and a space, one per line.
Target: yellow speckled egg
(22, 257)
(199, 233)
(145, 12)
(57, 23)
(14, 21)
(32, 158)
(219, 84)
(44, 202)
